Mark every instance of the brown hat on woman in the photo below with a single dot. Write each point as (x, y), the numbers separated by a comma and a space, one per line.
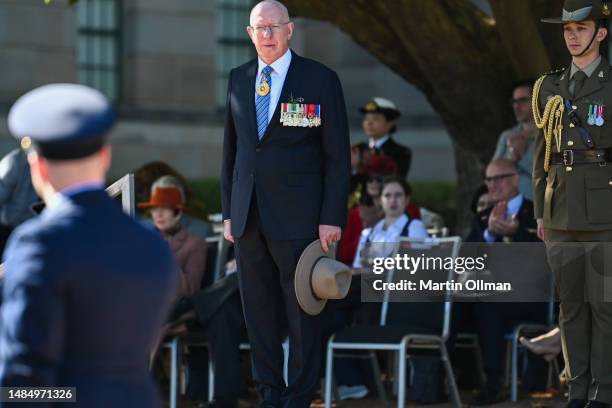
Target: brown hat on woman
(166, 192)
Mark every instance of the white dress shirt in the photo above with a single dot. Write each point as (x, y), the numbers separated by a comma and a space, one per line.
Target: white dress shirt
(378, 234)
(278, 75)
(376, 143)
(512, 208)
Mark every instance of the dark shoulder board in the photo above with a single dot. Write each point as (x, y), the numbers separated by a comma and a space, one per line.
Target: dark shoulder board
(557, 71)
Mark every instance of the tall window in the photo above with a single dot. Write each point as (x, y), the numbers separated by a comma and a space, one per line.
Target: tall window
(234, 45)
(98, 46)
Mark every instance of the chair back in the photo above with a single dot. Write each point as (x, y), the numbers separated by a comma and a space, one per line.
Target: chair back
(426, 309)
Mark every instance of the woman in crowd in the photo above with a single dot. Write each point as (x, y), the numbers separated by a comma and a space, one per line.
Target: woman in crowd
(365, 208)
(167, 204)
(351, 374)
(395, 196)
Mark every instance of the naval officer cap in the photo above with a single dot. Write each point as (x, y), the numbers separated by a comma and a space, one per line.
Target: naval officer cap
(575, 11)
(62, 121)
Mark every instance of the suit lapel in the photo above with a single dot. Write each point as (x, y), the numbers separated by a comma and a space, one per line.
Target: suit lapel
(249, 83)
(595, 82)
(291, 82)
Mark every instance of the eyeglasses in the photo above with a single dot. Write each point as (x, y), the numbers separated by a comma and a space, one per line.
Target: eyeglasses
(519, 101)
(275, 28)
(493, 179)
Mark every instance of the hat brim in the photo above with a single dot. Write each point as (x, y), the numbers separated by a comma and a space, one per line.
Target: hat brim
(556, 20)
(390, 114)
(148, 205)
(303, 275)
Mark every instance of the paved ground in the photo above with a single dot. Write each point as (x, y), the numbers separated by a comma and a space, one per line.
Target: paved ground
(547, 402)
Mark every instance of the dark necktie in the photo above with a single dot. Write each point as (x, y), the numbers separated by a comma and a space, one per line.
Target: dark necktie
(579, 78)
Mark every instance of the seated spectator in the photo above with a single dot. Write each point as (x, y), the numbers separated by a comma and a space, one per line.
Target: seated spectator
(216, 308)
(510, 220)
(511, 217)
(195, 222)
(517, 143)
(395, 195)
(167, 204)
(16, 193)
(379, 116)
(368, 211)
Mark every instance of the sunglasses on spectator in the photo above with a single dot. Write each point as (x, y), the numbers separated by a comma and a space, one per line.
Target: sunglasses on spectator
(378, 179)
(493, 179)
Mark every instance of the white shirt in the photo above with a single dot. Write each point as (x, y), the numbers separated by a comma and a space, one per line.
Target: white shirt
(376, 143)
(277, 76)
(512, 208)
(379, 235)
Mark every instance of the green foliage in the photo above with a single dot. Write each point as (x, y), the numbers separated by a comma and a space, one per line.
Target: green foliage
(437, 196)
(208, 190)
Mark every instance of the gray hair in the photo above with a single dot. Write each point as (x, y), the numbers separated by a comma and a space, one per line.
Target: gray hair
(169, 181)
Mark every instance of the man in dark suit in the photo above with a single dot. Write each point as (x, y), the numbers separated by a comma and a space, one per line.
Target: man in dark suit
(509, 220)
(379, 116)
(285, 178)
(86, 287)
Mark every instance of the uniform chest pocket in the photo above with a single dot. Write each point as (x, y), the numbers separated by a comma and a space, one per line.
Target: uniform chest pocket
(598, 189)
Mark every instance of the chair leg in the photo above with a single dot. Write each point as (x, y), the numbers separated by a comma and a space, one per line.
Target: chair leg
(395, 372)
(382, 394)
(286, 361)
(329, 372)
(174, 371)
(401, 383)
(450, 375)
(479, 364)
(514, 379)
(211, 377)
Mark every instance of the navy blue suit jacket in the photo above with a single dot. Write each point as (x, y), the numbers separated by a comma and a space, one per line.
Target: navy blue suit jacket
(85, 293)
(300, 175)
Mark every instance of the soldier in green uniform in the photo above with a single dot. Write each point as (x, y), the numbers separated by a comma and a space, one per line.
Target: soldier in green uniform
(573, 197)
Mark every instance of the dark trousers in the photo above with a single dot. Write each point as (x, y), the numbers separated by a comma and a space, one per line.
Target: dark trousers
(582, 265)
(226, 331)
(266, 270)
(493, 322)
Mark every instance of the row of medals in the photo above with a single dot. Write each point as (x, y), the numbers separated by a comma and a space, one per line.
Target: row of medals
(298, 119)
(596, 115)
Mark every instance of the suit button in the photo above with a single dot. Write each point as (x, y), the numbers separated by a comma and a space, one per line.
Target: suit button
(570, 142)
(257, 149)
(569, 168)
(252, 175)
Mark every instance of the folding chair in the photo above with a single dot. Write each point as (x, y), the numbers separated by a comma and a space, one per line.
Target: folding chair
(216, 246)
(401, 339)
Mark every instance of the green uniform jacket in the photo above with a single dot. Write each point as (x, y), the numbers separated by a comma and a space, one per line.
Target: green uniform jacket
(578, 197)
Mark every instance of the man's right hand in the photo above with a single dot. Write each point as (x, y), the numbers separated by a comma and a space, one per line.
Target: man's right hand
(540, 228)
(227, 230)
